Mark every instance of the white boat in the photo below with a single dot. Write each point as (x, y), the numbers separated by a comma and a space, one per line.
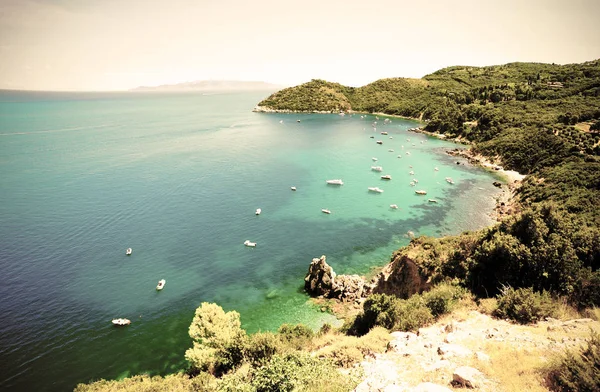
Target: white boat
(335, 182)
(326, 211)
(374, 159)
(391, 137)
(121, 321)
(412, 183)
(280, 121)
(250, 244)
(375, 189)
(432, 201)
(161, 284)
(436, 169)
(379, 142)
(293, 188)
(415, 180)
(421, 192)
(386, 177)
(384, 133)
(394, 206)
(258, 211)
(377, 168)
(128, 251)
(449, 180)
(412, 173)
(391, 150)
(399, 156)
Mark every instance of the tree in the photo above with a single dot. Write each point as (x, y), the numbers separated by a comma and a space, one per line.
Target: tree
(218, 340)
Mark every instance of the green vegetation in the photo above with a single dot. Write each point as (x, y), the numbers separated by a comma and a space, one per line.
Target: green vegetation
(410, 314)
(577, 371)
(524, 305)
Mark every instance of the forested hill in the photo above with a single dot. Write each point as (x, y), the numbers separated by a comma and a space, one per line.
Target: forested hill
(539, 118)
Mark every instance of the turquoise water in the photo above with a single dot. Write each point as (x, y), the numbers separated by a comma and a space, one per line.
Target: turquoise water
(177, 177)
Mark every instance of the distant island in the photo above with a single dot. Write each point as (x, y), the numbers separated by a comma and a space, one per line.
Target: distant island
(212, 85)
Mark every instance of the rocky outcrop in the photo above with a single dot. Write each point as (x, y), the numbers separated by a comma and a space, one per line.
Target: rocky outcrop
(402, 278)
(322, 281)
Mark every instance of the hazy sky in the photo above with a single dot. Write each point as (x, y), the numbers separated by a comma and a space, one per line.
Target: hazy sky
(120, 44)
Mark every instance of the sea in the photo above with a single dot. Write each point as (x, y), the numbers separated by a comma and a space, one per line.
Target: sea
(178, 177)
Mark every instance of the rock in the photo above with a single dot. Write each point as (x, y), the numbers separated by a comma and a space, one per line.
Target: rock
(430, 387)
(466, 376)
(481, 356)
(406, 336)
(449, 338)
(453, 350)
(497, 184)
(321, 280)
(402, 278)
(320, 277)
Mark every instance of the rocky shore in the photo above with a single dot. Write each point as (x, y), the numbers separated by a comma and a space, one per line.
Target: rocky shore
(265, 109)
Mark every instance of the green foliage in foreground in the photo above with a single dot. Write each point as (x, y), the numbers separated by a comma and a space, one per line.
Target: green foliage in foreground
(410, 314)
(524, 305)
(577, 370)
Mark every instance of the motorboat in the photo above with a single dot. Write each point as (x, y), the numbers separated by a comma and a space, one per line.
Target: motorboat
(379, 142)
(412, 173)
(415, 180)
(293, 188)
(128, 251)
(394, 206)
(412, 183)
(384, 133)
(377, 168)
(421, 192)
(449, 180)
(436, 169)
(325, 210)
(335, 182)
(374, 159)
(250, 244)
(161, 284)
(391, 137)
(121, 321)
(258, 211)
(399, 156)
(375, 189)
(391, 150)
(386, 177)
(432, 201)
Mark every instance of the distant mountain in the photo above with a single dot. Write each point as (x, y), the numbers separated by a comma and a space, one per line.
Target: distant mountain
(211, 85)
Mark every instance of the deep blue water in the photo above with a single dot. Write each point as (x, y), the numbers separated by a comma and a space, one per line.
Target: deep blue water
(177, 177)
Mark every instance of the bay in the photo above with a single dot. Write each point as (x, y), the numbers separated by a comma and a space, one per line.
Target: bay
(177, 177)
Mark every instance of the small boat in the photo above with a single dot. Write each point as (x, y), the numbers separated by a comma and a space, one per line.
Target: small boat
(391, 137)
(412, 183)
(399, 156)
(436, 169)
(128, 251)
(408, 153)
(384, 133)
(293, 188)
(394, 206)
(280, 121)
(371, 137)
(326, 211)
(386, 177)
(449, 180)
(432, 201)
(391, 150)
(250, 244)
(412, 173)
(379, 142)
(421, 192)
(374, 159)
(161, 284)
(258, 211)
(415, 180)
(297, 120)
(335, 182)
(375, 189)
(121, 321)
(377, 168)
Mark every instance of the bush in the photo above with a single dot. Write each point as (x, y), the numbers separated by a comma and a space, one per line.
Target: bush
(524, 305)
(413, 314)
(345, 351)
(296, 336)
(262, 346)
(577, 371)
(443, 298)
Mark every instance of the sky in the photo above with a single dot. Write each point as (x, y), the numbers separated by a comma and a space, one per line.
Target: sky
(121, 44)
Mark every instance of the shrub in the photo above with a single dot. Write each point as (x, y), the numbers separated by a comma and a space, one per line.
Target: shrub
(412, 314)
(524, 305)
(296, 336)
(346, 351)
(443, 298)
(262, 346)
(577, 371)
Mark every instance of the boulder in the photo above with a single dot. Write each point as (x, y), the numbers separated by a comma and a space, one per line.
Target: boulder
(466, 376)
(321, 280)
(402, 278)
